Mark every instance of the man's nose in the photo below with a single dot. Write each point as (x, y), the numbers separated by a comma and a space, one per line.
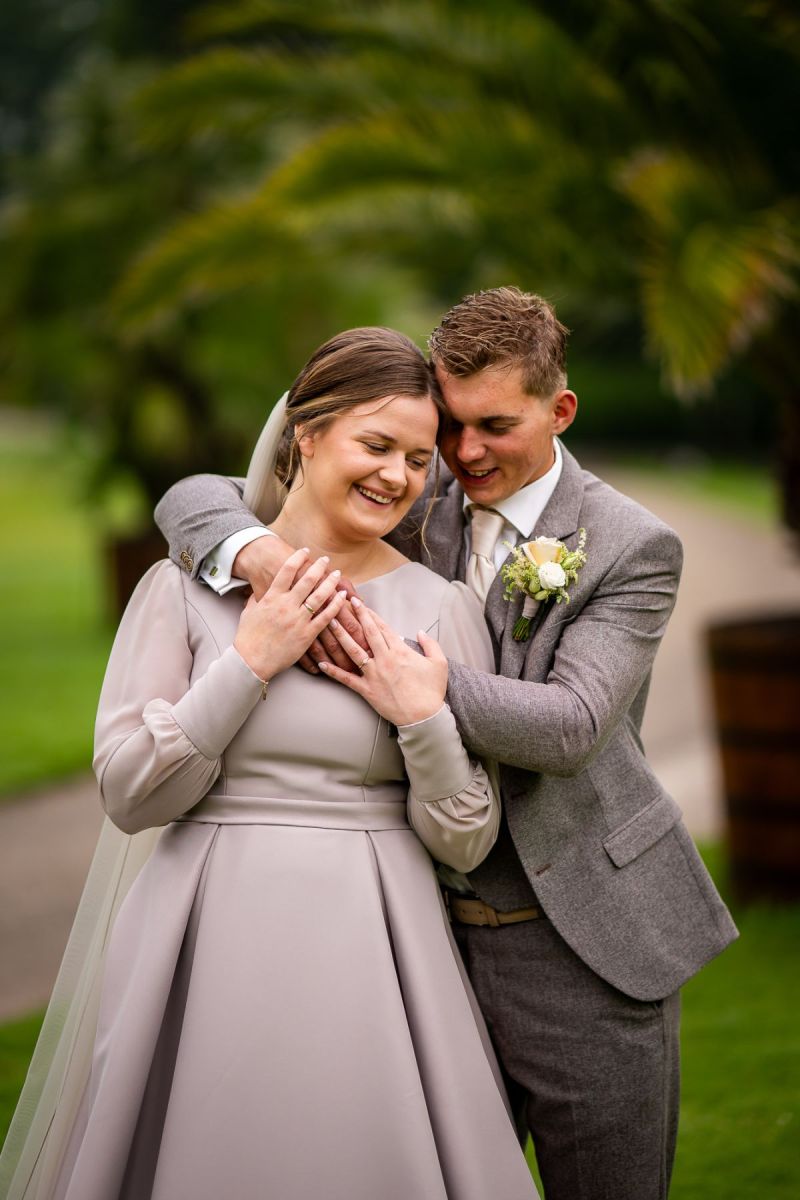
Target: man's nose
(470, 446)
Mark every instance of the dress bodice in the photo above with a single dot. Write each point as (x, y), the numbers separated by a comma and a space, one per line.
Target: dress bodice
(183, 732)
(310, 735)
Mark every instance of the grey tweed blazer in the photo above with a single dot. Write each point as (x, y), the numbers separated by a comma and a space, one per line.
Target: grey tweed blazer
(590, 830)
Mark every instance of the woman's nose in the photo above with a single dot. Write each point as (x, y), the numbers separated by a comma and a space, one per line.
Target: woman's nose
(393, 470)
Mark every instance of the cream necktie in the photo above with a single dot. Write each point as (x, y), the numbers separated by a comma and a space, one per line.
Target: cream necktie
(485, 530)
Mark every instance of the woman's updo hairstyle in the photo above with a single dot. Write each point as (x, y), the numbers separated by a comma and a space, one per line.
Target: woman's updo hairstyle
(352, 368)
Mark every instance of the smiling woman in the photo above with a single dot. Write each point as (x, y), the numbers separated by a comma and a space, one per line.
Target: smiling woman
(357, 477)
(282, 1008)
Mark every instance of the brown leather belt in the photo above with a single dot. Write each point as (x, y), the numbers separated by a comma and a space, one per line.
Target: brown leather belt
(476, 912)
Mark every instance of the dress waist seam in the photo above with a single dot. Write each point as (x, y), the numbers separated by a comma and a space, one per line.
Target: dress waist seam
(319, 814)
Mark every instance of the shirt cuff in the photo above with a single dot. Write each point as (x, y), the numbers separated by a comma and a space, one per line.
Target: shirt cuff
(217, 566)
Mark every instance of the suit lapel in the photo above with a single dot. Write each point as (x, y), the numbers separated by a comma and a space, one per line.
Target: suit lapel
(496, 609)
(444, 536)
(561, 514)
(445, 555)
(559, 519)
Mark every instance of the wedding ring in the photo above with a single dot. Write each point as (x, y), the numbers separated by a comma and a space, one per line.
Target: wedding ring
(310, 609)
(362, 664)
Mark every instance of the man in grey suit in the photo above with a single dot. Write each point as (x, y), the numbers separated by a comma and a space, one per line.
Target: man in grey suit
(594, 906)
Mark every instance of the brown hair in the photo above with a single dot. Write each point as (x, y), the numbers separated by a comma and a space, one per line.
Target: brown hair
(350, 369)
(504, 327)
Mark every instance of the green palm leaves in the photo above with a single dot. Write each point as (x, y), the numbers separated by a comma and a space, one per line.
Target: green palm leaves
(633, 162)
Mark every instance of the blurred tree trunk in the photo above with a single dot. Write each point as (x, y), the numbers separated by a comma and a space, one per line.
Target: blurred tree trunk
(126, 560)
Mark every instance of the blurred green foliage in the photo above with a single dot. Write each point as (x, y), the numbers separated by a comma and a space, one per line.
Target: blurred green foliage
(214, 189)
(54, 640)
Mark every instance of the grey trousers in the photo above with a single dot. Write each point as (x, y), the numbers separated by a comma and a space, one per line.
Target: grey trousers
(593, 1074)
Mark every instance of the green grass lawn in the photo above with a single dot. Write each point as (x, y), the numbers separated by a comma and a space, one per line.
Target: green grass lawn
(53, 637)
(741, 1065)
(740, 1115)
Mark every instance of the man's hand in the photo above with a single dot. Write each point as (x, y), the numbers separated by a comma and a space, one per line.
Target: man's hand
(327, 647)
(403, 686)
(259, 562)
(275, 630)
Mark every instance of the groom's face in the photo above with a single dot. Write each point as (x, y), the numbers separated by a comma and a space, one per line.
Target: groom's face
(499, 438)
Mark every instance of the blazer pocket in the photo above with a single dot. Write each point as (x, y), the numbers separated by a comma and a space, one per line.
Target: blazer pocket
(642, 831)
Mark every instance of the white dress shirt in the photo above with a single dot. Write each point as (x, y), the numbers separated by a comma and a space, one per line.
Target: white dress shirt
(521, 511)
(217, 568)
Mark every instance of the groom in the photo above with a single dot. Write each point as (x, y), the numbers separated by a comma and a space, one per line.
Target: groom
(593, 907)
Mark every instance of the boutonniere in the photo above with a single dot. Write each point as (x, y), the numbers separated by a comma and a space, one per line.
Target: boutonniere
(541, 569)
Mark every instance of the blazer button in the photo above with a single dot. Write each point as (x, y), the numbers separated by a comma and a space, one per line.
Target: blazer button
(187, 561)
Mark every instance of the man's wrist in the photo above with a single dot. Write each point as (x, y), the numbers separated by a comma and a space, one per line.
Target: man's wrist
(218, 566)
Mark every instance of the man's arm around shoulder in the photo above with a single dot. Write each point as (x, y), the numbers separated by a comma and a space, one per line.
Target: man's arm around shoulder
(198, 513)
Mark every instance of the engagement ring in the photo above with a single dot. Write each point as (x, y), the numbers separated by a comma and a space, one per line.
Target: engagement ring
(308, 606)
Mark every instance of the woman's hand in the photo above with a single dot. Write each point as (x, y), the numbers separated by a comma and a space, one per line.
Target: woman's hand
(259, 562)
(401, 685)
(277, 629)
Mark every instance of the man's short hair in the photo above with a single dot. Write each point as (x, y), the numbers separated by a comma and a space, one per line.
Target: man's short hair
(504, 327)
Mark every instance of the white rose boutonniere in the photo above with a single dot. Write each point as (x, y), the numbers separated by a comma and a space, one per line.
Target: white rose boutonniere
(540, 570)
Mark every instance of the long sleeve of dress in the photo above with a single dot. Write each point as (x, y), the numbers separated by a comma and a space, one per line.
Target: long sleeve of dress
(453, 802)
(159, 735)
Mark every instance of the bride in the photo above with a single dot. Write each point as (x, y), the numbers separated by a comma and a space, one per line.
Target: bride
(278, 1009)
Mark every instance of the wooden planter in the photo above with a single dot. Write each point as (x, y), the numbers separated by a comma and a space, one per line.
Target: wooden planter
(755, 668)
(127, 560)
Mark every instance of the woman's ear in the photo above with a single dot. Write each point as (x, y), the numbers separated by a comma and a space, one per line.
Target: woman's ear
(304, 440)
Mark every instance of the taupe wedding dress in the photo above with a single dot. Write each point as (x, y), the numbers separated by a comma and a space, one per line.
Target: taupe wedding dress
(283, 1013)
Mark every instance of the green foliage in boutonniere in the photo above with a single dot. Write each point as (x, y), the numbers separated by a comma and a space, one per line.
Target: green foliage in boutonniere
(541, 569)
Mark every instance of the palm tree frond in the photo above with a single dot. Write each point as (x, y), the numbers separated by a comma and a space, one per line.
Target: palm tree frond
(229, 246)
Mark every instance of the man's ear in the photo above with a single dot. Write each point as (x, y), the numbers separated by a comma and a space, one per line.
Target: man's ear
(565, 407)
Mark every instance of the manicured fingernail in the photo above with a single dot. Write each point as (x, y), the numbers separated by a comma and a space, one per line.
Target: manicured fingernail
(335, 574)
(322, 666)
(325, 558)
(334, 624)
(356, 602)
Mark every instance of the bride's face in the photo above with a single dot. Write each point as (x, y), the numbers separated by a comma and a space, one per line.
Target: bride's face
(367, 467)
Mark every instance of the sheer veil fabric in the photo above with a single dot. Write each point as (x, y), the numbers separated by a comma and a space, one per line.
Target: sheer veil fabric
(263, 493)
(59, 1070)
(61, 1063)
